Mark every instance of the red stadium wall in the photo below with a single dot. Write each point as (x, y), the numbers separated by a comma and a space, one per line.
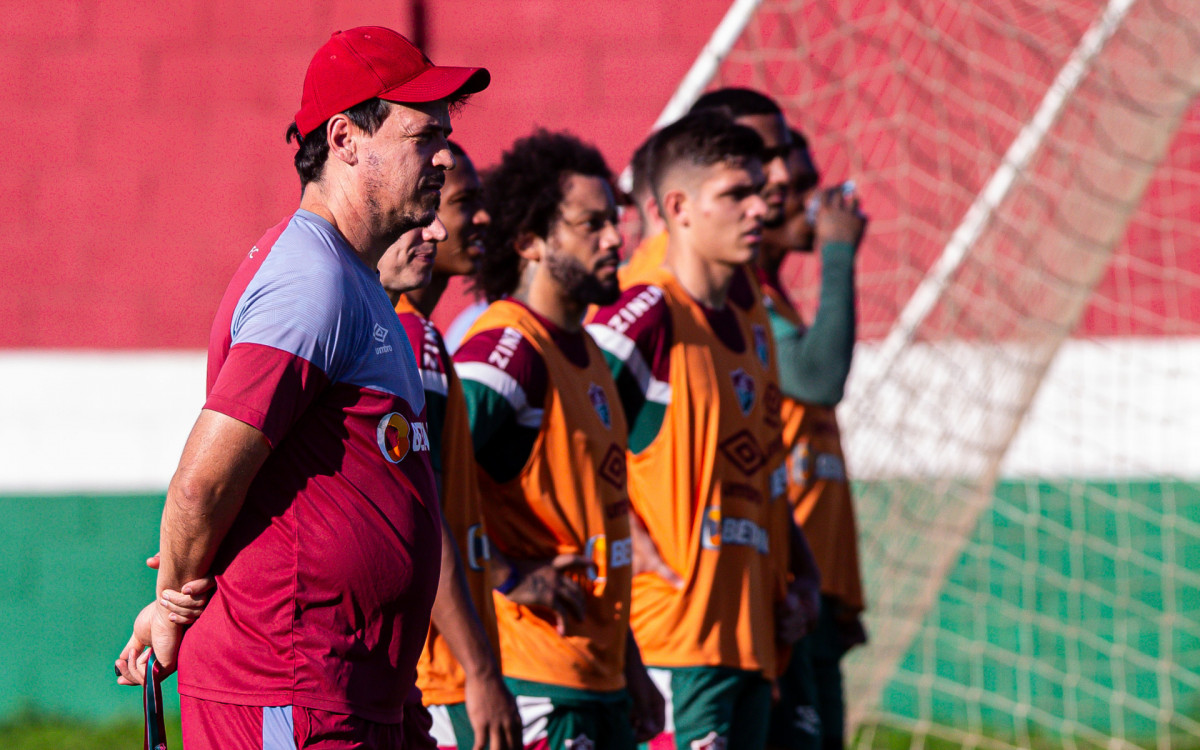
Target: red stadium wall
(146, 139)
(147, 153)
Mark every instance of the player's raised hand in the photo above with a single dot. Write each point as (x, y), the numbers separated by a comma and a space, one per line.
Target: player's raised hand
(839, 218)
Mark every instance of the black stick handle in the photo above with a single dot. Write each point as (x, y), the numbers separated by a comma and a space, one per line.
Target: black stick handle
(156, 733)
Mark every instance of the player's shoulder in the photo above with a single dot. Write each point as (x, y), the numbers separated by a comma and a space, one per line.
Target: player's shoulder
(499, 345)
(640, 319)
(307, 263)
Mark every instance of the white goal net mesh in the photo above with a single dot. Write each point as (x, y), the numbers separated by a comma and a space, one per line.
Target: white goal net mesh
(1022, 417)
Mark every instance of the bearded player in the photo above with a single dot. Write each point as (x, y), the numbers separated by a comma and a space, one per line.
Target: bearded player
(814, 363)
(550, 439)
(697, 382)
(458, 673)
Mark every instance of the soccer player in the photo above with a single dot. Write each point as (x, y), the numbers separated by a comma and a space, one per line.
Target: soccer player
(696, 378)
(651, 230)
(756, 111)
(550, 437)
(458, 674)
(814, 363)
(305, 485)
(796, 728)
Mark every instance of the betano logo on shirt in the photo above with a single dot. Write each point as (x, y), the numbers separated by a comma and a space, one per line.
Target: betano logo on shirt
(479, 547)
(716, 531)
(619, 556)
(397, 436)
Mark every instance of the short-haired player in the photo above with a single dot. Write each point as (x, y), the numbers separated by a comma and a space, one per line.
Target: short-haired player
(814, 364)
(697, 381)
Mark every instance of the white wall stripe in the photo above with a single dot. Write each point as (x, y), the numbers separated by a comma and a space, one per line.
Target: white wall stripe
(108, 422)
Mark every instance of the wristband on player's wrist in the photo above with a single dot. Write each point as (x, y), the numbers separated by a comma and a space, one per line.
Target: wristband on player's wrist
(510, 583)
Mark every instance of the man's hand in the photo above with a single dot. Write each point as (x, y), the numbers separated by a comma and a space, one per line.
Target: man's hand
(492, 711)
(181, 608)
(649, 711)
(555, 585)
(150, 628)
(185, 605)
(839, 218)
(646, 557)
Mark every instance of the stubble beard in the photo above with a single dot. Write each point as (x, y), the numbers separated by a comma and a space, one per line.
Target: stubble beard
(420, 211)
(579, 284)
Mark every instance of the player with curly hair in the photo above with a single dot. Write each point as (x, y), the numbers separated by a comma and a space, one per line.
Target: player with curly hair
(550, 441)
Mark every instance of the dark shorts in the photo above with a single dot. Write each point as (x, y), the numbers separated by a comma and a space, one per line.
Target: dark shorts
(795, 721)
(811, 712)
(712, 708)
(208, 725)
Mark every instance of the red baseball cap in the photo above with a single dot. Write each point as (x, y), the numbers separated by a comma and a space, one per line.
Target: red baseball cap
(371, 61)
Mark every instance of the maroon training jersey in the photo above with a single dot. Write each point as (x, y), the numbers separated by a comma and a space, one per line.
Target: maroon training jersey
(326, 580)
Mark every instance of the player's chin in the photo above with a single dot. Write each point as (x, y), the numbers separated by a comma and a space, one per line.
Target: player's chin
(601, 291)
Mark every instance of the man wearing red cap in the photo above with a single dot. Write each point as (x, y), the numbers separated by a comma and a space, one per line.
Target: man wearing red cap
(305, 486)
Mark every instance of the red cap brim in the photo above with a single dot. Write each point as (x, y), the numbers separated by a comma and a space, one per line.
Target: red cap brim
(439, 83)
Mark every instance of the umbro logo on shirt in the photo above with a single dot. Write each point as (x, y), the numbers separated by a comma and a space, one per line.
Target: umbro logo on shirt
(379, 333)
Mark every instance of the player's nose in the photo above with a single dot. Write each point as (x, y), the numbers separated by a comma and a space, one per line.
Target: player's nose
(435, 231)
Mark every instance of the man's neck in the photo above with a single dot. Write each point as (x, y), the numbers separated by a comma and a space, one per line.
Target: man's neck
(705, 281)
(546, 298)
(355, 227)
(770, 262)
(426, 298)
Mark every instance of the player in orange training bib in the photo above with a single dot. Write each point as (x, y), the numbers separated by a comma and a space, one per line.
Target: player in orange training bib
(550, 438)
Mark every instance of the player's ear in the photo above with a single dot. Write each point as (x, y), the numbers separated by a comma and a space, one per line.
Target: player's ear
(530, 246)
(343, 141)
(676, 207)
(650, 209)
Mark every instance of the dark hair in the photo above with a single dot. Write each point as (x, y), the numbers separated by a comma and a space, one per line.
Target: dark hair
(639, 169)
(523, 194)
(798, 139)
(701, 138)
(314, 148)
(735, 103)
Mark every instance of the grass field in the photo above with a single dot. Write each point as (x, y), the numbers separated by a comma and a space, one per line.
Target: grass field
(37, 732)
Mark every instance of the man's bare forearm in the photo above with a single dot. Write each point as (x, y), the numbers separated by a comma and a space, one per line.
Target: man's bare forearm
(220, 460)
(455, 616)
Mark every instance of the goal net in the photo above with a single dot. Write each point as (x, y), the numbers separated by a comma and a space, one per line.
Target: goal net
(1022, 419)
